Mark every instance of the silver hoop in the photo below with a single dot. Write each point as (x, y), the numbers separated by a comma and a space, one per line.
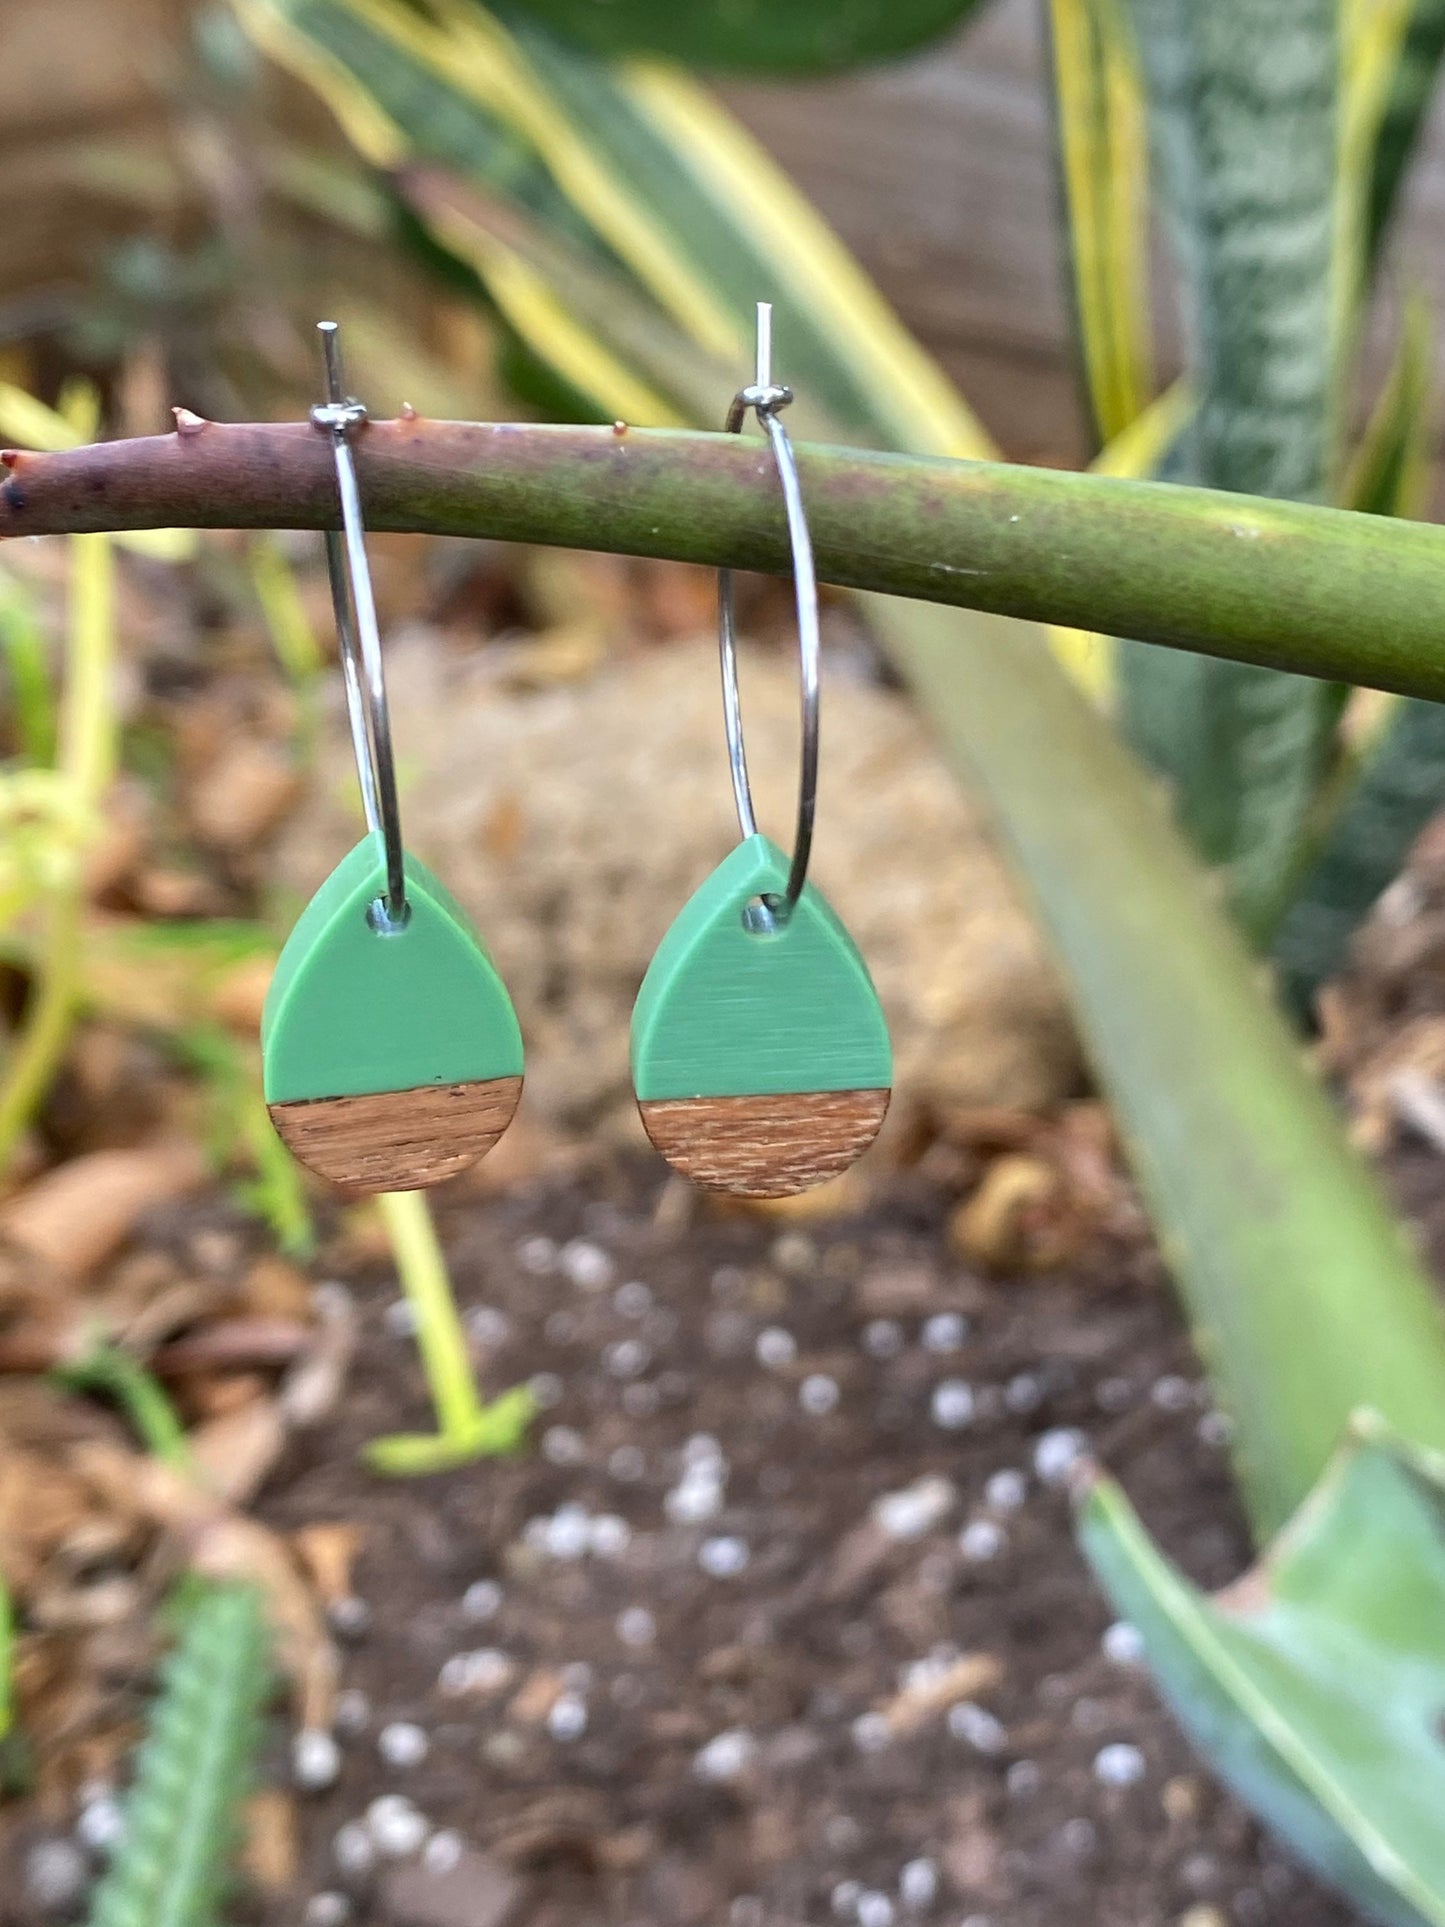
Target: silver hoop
(355, 606)
(766, 398)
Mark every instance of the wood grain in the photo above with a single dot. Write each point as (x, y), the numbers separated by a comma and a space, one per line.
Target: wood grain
(398, 1140)
(764, 1147)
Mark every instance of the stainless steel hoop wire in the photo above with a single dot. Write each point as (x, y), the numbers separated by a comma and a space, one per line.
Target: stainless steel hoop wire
(766, 399)
(355, 606)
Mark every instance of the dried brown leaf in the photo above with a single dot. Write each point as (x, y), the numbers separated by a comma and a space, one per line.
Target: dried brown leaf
(272, 1852)
(77, 1215)
(234, 1454)
(240, 797)
(972, 1674)
(327, 1552)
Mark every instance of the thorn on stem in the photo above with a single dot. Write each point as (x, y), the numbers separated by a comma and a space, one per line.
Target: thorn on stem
(619, 428)
(188, 423)
(408, 413)
(9, 458)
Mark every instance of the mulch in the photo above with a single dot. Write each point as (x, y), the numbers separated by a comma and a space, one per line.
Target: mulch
(713, 1695)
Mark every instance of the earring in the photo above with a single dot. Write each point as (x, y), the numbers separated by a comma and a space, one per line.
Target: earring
(760, 1056)
(392, 1056)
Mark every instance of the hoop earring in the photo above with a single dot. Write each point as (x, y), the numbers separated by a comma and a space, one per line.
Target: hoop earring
(392, 1055)
(760, 1056)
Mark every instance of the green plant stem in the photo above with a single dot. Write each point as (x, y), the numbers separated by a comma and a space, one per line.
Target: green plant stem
(439, 1336)
(277, 591)
(1305, 1301)
(87, 759)
(108, 1369)
(1325, 592)
(22, 647)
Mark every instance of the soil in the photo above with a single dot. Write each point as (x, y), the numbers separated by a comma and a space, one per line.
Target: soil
(584, 1771)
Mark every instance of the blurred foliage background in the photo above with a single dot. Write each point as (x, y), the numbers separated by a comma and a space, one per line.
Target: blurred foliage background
(1162, 239)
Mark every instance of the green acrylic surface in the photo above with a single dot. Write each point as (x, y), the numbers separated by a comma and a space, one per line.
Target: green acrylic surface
(726, 1013)
(353, 1011)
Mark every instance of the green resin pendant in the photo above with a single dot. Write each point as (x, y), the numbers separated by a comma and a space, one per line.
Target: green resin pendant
(760, 1058)
(392, 1057)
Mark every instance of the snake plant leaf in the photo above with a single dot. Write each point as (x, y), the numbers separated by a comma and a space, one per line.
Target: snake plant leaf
(1413, 76)
(1303, 1293)
(1395, 794)
(657, 178)
(1102, 143)
(626, 358)
(1390, 470)
(1399, 779)
(751, 36)
(1243, 108)
(1315, 1684)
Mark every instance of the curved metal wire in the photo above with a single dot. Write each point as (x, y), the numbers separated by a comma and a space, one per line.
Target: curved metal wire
(355, 607)
(766, 398)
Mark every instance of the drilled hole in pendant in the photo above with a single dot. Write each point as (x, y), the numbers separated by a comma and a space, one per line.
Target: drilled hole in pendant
(766, 916)
(379, 916)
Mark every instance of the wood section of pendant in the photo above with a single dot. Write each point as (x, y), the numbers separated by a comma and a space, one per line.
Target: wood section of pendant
(760, 1056)
(398, 1140)
(765, 1147)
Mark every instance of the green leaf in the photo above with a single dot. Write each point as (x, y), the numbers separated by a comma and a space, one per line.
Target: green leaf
(239, 1127)
(1398, 782)
(22, 649)
(1304, 1297)
(1315, 1684)
(110, 1370)
(1410, 89)
(1100, 121)
(656, 180)
(453, 87)
(1243, 103)
(1390, 471)
(193, 1770)
(1393, 797)
(751, 36)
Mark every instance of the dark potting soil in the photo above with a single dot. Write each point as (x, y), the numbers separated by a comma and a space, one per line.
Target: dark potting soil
(672, 1664)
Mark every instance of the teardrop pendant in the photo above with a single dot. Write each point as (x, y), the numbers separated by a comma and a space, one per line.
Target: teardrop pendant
(760, 1055)
(392, 1054)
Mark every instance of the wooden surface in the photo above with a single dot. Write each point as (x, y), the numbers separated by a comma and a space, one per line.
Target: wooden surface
(398, 1140)
(764, 1147)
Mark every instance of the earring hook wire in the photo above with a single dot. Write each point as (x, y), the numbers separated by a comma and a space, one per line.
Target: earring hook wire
(766, 399)
(355, 606)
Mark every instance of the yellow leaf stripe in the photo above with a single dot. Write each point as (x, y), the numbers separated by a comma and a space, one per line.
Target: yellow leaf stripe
(921, 403)
(543, 321)
(1372, 35)
(1103, 141)
(371, 131)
